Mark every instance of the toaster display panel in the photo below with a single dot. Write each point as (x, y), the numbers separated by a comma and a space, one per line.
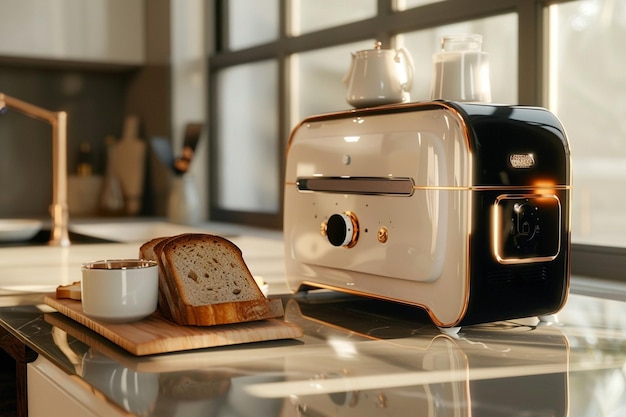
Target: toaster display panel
(399, 202)
(526, 228)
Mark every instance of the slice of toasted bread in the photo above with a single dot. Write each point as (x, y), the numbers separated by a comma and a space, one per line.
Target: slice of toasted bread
(211, 281)
(146, 251)
(209, 269)
(150, 250)
(71, 291)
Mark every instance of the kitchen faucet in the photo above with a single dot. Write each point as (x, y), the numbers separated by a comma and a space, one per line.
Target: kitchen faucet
(59, 235)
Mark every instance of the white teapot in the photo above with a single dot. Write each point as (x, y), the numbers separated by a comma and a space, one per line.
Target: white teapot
(379, 76)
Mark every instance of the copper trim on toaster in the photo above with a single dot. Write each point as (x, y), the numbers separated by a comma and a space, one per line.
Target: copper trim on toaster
(399, 189)
(533, 188)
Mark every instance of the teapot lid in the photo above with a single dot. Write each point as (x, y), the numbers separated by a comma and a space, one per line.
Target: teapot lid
(377, 48)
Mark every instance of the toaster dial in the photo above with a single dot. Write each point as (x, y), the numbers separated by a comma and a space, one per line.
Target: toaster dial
(342, 229)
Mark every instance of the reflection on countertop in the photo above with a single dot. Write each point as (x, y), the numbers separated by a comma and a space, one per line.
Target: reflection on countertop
(360, 357)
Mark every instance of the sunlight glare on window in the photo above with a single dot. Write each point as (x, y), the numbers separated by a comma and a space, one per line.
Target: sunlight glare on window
(313, 15)
(587, 91)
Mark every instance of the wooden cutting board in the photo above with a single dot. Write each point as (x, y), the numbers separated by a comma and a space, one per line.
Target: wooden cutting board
(156, 334)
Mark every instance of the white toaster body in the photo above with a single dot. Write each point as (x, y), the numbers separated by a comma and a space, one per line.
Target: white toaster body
(462, 210)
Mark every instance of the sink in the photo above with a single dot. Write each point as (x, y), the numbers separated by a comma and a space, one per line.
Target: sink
(42, 238)
(133, 230)
(16, 230)
(106, 231)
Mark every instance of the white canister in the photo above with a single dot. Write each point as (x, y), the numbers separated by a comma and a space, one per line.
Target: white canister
(461, 70)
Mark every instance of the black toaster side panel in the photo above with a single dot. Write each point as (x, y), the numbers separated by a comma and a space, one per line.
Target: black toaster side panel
(520, 237)
(508, 291)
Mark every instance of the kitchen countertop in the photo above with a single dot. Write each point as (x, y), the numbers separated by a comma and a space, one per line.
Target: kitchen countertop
(357, 357)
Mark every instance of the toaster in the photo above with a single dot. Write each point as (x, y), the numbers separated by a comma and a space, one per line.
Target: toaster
(460, 209)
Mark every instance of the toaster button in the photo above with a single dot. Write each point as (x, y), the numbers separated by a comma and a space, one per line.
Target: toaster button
(342, 229)
(382, 235)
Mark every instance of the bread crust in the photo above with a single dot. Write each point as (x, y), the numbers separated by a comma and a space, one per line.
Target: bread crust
(150, 251)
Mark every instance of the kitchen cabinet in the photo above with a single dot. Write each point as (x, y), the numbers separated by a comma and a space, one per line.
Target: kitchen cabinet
(53, 393)
(94, 31)
(22, 355)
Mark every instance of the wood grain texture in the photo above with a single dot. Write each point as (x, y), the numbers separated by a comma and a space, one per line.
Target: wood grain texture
(158, 335)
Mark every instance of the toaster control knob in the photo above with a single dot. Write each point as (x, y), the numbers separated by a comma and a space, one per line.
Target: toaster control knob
(342, 229)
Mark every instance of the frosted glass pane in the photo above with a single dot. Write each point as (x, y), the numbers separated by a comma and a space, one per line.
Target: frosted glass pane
(587, 85)
(410, 4)
(247, 138)
(252, 22)
(499, 41)
(319, 86)
(312, 15)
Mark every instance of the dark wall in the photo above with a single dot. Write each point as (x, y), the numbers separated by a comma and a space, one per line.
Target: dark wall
(94, 103)
(97, 97)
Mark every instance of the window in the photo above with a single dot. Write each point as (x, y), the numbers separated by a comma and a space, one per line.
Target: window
(587, 89)
(247, 136)
(314, 15)
(252, 26)
(563, 54)
(324, 71)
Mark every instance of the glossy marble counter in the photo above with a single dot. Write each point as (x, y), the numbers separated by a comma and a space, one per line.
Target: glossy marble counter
(358, 356)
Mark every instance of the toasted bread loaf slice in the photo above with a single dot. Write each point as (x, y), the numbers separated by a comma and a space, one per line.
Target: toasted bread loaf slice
(146, 251)
(71, 291)
(149, 251)
(212, 282)
(209, 269)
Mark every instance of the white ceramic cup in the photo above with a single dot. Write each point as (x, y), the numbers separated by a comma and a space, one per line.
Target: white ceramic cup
(120, 290)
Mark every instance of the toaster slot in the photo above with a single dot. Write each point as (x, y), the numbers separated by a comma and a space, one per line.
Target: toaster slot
(358, 185)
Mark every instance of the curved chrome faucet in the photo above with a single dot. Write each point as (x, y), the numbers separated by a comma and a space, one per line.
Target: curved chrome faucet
(59, 211)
